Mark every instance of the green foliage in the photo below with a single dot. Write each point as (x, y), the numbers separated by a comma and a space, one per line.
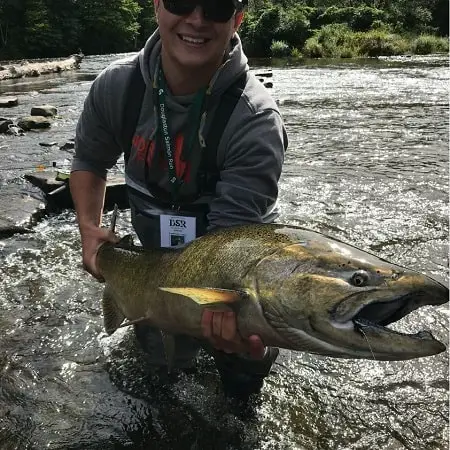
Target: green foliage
(38, 31)
(313, 49)
(259, 30)
(380, 43)
(440, 15)
(357, 18)
(332, 38)
(112, 22)
(294, 26)
(279, 49)
(426, 44)
(47, 28)
(296, 53)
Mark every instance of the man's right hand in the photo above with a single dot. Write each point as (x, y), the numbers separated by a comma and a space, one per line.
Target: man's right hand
(92, 237)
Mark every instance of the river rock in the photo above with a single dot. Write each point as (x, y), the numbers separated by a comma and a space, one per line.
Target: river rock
(8, 102)
(4, 125)
(34, 123)
(56, 191)
(264, 74)
(19, 210)
(15, 130)
(68, 146)
(44, 111)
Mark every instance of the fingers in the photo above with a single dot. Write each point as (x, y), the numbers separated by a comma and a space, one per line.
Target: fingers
(256, 347)
(206, 322)
(217, 321)
(229, 326)
(220, 328)
(92, 238)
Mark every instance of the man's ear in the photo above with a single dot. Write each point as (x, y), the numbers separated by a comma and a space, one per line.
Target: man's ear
(238, 18)
(156, 4)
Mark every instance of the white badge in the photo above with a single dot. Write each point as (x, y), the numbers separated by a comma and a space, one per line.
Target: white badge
(177, 231)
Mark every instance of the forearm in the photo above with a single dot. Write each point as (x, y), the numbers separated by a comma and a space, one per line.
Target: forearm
(88, 194)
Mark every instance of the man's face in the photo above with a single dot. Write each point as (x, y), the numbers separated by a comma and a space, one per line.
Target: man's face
(193, 41)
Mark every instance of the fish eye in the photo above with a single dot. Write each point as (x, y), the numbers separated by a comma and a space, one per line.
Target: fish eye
(360, 278)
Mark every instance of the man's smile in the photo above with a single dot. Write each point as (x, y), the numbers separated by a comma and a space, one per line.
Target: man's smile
(193, 40)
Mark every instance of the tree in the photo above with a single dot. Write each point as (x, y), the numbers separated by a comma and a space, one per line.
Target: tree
(108, 25)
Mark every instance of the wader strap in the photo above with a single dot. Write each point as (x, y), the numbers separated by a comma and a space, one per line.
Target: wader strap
(134, 96)
(223, 113)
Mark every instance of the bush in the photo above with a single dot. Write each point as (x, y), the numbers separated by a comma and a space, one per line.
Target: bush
(426, 44)
(348, 52)
(313, 49)
(380, 43)
(296, 53)
(279, 49)
(332, 38)
(358, 18)
(258, 31)
(294, 27)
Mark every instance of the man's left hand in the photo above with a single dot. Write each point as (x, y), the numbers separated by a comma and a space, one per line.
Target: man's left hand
(220, 328)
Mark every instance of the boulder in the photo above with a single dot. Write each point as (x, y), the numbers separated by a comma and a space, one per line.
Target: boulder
(8, 102)
(34, 123)
(44, 111)
(68, 146)
(4, 125)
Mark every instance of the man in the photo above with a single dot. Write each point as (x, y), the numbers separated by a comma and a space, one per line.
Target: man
(206, 151)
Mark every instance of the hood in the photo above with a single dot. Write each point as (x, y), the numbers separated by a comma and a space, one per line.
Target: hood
(234, 65)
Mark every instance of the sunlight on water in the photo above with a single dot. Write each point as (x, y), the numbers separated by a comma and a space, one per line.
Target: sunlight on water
(367, 163)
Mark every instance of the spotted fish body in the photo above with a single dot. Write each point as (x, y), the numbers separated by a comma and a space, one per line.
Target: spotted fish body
(295, 288)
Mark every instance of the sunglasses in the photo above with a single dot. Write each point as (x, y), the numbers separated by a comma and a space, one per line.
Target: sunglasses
(215, 10)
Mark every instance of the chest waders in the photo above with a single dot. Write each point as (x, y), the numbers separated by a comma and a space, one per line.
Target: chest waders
(239, 375)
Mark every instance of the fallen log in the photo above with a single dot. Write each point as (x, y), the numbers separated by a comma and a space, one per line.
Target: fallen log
(34, 69)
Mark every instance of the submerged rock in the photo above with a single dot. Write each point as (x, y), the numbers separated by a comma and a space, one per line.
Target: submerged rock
(34, 123)
(4, 125)
(68, 146)
(44, 111)
(8, 102)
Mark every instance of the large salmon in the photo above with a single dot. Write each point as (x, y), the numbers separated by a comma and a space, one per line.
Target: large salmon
(296, 288)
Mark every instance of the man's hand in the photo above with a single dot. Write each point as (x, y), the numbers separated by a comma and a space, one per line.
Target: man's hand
(92, 238)
(221, 330)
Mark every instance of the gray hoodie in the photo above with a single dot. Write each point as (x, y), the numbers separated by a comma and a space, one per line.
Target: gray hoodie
(249, 156)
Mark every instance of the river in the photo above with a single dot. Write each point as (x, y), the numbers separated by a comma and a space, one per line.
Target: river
(367, 163)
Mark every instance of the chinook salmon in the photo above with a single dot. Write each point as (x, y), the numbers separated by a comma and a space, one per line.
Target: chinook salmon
(295, 288)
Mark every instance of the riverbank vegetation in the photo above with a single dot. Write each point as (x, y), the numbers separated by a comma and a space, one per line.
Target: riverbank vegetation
(310, 28)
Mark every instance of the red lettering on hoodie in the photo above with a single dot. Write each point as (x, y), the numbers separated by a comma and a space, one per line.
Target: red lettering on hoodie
(145, 150)
(183, 168)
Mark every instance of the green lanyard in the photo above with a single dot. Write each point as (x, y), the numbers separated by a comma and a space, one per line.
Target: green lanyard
(195, 112)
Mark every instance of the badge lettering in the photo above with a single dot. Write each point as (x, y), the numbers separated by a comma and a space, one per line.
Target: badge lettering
(181, 223)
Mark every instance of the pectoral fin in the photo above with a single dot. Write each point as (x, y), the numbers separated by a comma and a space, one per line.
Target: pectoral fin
(112, 316)
(208, 296)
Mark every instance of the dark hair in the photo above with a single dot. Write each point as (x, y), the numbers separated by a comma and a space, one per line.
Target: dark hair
(240, 4)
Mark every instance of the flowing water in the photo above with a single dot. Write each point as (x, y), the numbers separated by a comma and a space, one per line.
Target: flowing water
(368, 163)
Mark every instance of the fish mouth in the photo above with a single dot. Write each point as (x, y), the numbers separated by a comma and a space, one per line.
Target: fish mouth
(369, 320)
(373, 319)
(382, 313)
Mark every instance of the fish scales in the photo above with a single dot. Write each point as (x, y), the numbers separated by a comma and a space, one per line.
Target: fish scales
(296, 288)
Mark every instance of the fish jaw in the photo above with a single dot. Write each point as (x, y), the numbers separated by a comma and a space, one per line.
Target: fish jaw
(322, 311)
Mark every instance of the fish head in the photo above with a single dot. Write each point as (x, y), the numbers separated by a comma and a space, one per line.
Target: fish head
(330, 298)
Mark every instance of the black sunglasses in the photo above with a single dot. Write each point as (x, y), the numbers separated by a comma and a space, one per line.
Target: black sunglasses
(215, 10)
